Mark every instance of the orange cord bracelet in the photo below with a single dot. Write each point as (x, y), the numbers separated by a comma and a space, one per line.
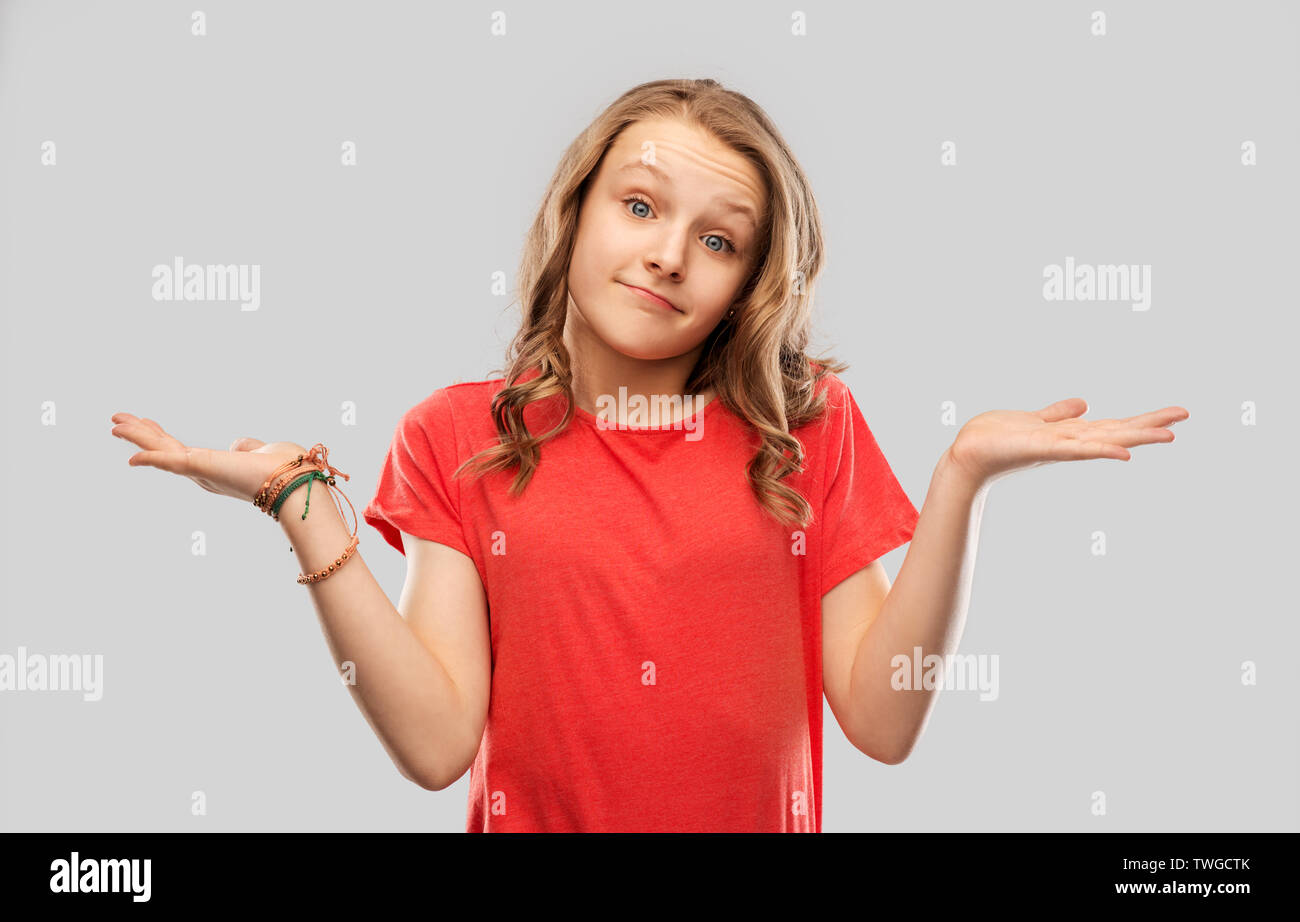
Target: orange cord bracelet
(266, 497)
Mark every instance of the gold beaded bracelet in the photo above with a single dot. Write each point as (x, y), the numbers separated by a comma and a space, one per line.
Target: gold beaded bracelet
(338, 562)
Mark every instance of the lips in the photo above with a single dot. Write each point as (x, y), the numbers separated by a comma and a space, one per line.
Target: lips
(651, 296)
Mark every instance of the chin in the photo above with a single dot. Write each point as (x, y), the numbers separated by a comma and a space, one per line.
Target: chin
(637, 347)
(630, 338)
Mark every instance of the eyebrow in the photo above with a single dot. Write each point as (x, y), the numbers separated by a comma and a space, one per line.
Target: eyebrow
(728, 204)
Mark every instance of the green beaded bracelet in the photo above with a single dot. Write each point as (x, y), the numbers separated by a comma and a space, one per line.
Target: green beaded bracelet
(284, 494)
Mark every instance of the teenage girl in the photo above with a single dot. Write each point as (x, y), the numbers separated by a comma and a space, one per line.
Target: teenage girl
(639, 558)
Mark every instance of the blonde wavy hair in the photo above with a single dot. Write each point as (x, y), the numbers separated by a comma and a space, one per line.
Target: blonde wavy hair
(754, 359)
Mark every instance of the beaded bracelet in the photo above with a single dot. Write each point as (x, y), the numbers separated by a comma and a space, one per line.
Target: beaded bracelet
(338, 562)
(270, 498)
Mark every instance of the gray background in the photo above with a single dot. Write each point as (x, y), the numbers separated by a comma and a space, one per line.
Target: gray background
(1118, 673)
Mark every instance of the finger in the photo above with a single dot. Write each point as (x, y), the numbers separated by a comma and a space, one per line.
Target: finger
(176, 462)
(149, 424)
(1086, 449)
(1063, 409)
(1130, 437)
(246, 444)
(206, 464)
(1166, 417)
(125, 419)
(145, 437)
(134, 432)
(188, 462)
(148, 437)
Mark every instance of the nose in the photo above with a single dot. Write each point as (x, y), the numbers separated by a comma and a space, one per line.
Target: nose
(667, 254)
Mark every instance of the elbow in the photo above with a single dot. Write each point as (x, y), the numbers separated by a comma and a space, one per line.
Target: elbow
(892, 759)
(429, 781)
(435, 780)
(441, 772)
(889, 755)
(899, 756)
(425, 782)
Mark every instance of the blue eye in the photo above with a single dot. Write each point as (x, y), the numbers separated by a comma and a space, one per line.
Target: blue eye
(723, 237)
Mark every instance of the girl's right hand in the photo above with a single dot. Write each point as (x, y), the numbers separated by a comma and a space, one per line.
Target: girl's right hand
(239, 472)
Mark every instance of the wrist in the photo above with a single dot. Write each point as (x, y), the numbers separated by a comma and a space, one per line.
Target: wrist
(952, 471)
(319, 506)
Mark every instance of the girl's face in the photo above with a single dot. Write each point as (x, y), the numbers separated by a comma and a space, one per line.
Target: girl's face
(674, 211)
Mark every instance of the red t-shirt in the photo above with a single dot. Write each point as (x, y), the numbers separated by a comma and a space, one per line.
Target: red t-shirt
(656, 635)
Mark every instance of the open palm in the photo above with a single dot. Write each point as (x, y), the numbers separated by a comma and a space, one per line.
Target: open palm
(994, 444)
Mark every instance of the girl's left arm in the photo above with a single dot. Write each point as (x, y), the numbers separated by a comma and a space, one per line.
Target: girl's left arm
(926, 606)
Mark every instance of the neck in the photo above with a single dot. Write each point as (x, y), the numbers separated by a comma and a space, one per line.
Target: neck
(600, 371)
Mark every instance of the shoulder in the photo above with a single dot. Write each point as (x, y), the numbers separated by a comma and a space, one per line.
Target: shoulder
(830, 383)
(837, 399)
(837, 392)
(462, 400)
(451, 420)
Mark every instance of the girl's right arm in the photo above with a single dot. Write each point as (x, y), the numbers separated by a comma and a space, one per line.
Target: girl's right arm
(422, 671)
(421, 674)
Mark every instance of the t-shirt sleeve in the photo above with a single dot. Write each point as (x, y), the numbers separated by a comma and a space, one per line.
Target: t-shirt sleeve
(416, 493)
(866, 514)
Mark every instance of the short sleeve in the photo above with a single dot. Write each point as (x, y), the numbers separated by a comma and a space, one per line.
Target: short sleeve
(865, 513)
(416, 493)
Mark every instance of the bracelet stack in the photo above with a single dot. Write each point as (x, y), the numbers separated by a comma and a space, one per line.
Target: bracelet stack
(278, 487)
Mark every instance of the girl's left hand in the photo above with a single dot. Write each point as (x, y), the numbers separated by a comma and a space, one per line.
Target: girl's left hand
(996, 443)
